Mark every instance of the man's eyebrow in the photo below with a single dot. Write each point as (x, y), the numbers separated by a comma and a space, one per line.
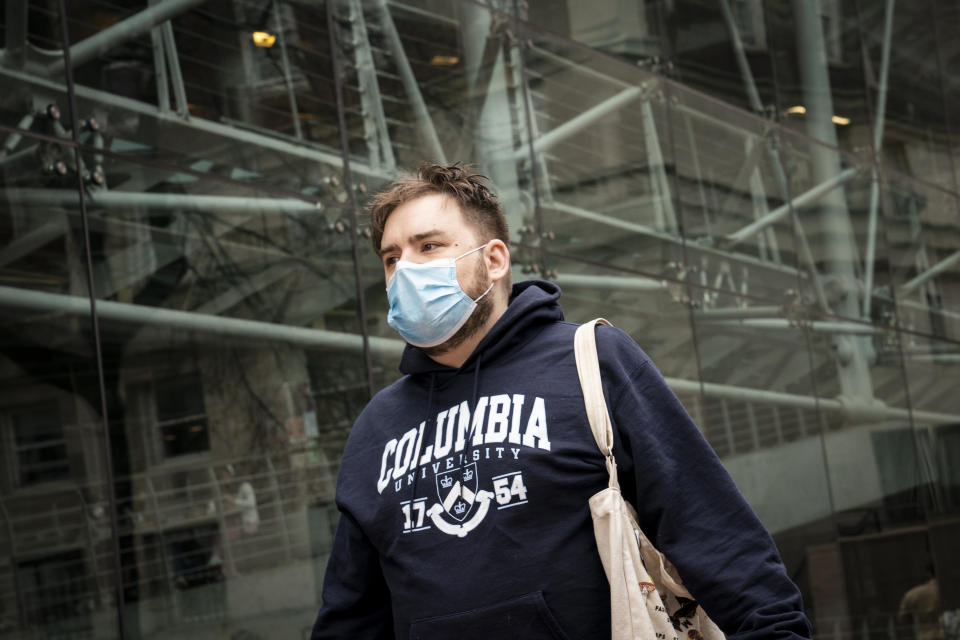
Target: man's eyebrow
(432, 233)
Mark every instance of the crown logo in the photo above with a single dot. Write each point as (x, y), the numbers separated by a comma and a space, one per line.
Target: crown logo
(446, 482)
(460, 508)
(468, 474)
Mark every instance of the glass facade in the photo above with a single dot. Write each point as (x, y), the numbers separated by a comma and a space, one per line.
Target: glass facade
(763, 193)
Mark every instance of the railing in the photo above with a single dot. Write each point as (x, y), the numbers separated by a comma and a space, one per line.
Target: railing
(178, 529)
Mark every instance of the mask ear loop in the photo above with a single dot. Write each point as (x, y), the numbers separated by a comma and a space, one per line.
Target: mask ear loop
(471, 251)
(484, 293)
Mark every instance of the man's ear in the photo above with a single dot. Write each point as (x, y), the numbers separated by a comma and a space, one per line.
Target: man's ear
(497, 255)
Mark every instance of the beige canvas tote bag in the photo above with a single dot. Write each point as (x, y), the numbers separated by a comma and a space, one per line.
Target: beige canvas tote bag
(647, 599)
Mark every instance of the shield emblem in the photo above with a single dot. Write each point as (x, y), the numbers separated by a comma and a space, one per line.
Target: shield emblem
(457, 490)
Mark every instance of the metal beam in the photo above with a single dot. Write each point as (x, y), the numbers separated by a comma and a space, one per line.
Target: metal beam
(138, 23)
(410, 86)
(878, 123)
(375, 131)
(392, 348)
(932, 272)
(783, 323)
(802, 200)
(663, 201)
(166, 201)
(753, 96)
(618, 283)
(580, 122)
(176, 75)
(11, 297)
(859, 411)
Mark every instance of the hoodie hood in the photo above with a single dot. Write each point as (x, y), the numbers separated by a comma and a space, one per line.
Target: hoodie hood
(533, 304)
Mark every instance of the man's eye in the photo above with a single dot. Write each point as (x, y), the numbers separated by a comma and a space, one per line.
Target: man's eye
(389, 261)
(430, 246)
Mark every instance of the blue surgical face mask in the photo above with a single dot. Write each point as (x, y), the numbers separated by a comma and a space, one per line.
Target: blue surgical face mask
(427, 305)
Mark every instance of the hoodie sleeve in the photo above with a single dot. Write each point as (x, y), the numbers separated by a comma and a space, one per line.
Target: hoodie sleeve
(689, 506)
(356, 601)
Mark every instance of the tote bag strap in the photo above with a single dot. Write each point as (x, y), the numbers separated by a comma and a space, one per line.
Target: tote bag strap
(588, 369)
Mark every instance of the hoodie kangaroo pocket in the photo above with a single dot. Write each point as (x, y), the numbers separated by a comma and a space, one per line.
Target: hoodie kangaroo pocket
(523, 618)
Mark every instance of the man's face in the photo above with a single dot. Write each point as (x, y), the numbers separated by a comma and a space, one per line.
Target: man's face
(433, 227)
(429, 228)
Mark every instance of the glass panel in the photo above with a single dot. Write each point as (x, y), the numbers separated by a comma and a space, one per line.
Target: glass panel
(229, 325)
(655, 313)
(841, 233)
(244, 91)
(891, 480)
(761, 416)
(604, 158)
(57, 578)
(733, 180)
(924, 231)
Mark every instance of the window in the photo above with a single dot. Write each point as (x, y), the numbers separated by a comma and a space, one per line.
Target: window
(55, 594)
(39, 450)
(181, 418)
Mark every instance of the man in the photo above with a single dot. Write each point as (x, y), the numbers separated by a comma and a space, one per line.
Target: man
(463, 488)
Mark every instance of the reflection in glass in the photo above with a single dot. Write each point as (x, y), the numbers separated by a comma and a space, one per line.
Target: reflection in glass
(58, 579)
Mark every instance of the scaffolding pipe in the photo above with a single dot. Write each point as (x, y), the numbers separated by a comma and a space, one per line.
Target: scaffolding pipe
(723, 313)
(138, 23)
(616, 223)
(424, 123)
(169, 201)
(753, 96)
(79, 306)
(877, 145)
(618, 283)
(11, 297)
(176, 75)
(802, 200)
(932, 272)
(783, 323)
(580, 122)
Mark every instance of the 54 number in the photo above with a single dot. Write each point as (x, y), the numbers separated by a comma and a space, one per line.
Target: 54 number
(506, 488)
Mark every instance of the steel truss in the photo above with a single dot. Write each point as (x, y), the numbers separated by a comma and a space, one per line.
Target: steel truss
(156, 20)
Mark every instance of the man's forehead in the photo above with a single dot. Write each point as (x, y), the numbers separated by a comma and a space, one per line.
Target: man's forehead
(432, 211)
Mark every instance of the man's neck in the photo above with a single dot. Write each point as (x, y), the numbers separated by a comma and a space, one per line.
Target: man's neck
(459, 354)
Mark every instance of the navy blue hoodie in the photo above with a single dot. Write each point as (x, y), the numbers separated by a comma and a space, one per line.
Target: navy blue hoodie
(463, 495)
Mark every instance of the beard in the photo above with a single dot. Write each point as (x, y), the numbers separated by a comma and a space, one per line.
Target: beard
(477, 319)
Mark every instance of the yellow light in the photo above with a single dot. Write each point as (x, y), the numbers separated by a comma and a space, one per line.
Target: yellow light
(263, 39)
(444, 61)
(840, 120)
(797, 109)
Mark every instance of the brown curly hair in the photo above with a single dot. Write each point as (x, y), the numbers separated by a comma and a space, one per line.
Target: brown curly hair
(479, 205)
